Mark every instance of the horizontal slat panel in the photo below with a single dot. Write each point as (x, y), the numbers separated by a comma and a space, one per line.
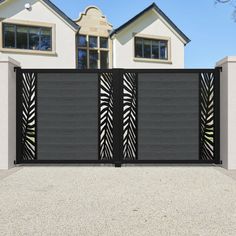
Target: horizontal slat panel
(62, 126)
(66, 109)
(65, 131)
(168, 100)
(67, 116)
(167, 85)
(169, 110)
(169, 139)
(170, 93)
(68, 156)
(169, 156)
(168, 116)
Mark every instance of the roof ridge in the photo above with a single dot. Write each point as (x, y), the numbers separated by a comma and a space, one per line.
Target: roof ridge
(62, 14)
(153, 5)
(57, 10)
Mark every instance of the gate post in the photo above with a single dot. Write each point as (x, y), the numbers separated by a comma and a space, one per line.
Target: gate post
(8, 112)
(228, 112)
(117, 82)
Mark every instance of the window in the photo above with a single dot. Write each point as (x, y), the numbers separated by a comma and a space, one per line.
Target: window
(93, 52)
(93, 42)
(104, 60)
(93, 59)
(103, 42)
(82, 58)
(21, 37)
(9, 36)
(151, 48)
(33, 38)
(82, 42)
(27, 37)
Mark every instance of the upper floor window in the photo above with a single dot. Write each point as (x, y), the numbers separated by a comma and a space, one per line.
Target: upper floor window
(151, 48)
(93, 52)
(27, 37)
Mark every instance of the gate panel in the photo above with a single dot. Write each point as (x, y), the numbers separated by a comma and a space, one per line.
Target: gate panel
(209, 96)
(26, 116)
(106, 116)
(168, 116)
(130, 116)
(67, 116)
(118, 116)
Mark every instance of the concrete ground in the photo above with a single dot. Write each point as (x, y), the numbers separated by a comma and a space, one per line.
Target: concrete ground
(129, 201)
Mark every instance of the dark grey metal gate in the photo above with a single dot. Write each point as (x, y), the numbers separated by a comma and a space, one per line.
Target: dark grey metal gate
(118, 116)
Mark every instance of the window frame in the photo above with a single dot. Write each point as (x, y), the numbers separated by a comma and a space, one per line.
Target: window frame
(154, 38)
(16, 23)
(98, 49)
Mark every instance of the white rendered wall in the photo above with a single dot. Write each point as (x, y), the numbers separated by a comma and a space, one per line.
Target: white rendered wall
(228, 112)
(8, 112)
(149, 24)
(65, 36)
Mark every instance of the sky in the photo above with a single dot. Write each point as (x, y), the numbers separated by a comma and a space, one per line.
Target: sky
(210, 26)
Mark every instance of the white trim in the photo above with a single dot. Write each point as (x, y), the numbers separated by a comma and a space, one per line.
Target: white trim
(152, 60)
(4, 59)
(226, 60)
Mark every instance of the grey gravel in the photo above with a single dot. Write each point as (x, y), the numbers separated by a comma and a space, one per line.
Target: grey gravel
(142, 201)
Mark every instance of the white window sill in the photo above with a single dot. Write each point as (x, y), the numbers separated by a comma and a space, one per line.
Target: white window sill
(27, 51)
(152, 60)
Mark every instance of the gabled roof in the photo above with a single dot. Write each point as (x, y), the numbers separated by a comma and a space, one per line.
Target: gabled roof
(62, 14)
(64, 17)
(161, 13)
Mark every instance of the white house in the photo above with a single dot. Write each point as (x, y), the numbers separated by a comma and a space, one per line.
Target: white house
(39, 35)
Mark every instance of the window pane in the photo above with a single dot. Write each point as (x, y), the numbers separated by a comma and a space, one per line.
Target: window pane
(104, 60)
(82, 59)
(82, 41)
(46, 39)
(138, 47)
(9, 36)
(34, 38)
(155, 49)
(163, 50)
(93, 42)
(93, 59)
(103, 42)
(147, 48)
(22, 37)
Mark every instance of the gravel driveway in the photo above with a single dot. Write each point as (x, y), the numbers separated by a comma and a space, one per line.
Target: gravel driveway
(129, 201)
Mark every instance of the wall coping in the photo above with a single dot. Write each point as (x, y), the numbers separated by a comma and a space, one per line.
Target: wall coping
(228, 59)
(7, 59)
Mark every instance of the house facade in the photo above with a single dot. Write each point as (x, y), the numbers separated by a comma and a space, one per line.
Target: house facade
(38, 34)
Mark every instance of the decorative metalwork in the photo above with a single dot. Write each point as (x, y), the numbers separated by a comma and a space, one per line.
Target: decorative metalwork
(130, 116)
(207, 103)
(106, 117)
(118, 116)
(28, 116)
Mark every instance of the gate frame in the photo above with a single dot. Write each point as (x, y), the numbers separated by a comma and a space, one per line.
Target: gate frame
(118, 116)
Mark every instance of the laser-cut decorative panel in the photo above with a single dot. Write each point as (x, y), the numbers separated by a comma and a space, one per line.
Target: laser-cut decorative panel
(106, 117)
(130, 116)
(207, 116)
(28, 116)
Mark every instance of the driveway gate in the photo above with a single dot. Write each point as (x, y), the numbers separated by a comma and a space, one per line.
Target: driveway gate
(118, 116)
